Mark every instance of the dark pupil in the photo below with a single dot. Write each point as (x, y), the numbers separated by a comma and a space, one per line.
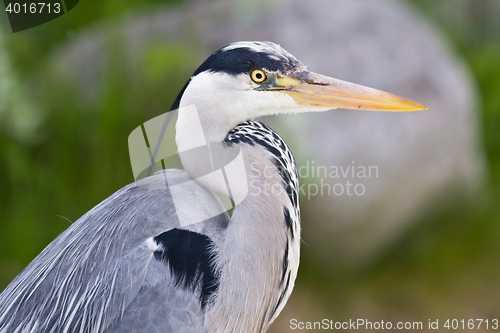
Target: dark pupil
(258, 76)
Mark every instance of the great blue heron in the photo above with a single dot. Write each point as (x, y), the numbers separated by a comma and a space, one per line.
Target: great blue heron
(130, 265)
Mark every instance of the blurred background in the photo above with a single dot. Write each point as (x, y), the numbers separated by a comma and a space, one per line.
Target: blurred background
(421, 243)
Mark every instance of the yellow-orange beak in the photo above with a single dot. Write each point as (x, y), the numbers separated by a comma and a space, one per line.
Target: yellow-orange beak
(318, 90)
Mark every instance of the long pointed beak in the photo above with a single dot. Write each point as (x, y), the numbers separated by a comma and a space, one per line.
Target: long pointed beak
(318, 90)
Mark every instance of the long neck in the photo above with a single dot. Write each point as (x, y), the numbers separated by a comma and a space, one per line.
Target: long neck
(258, 256)
(251, 261)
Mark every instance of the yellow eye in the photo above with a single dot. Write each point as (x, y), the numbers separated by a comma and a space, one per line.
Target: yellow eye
(258, 76)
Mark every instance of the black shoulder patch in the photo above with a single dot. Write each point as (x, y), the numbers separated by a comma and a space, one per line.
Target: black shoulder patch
(190, 259)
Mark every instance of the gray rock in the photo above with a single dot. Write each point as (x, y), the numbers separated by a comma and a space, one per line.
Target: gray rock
(416, 158)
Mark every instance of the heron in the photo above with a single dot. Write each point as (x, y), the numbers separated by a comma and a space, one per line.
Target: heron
(129, 265)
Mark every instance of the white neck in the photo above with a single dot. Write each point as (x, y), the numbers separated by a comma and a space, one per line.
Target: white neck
(252, 252)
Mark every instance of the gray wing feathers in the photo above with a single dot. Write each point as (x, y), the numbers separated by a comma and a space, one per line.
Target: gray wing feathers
(85, 280)
(161, 308)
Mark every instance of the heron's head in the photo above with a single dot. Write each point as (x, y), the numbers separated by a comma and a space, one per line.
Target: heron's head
(246, 80)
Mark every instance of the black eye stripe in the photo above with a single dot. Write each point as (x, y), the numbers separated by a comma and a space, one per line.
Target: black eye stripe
(243, 60)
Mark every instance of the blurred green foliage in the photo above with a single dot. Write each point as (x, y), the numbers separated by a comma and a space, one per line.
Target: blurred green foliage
(485, 62)
(79, 154)
(30, 47)
(474, 28)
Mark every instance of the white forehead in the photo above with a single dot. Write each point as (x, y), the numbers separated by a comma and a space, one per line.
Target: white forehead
(274, 50)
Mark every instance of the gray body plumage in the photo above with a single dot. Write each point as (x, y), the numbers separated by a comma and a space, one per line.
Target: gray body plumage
(101, 275)
(102, 267)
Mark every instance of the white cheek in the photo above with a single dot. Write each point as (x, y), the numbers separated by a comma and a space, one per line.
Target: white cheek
(222, 101)
(262, 103)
